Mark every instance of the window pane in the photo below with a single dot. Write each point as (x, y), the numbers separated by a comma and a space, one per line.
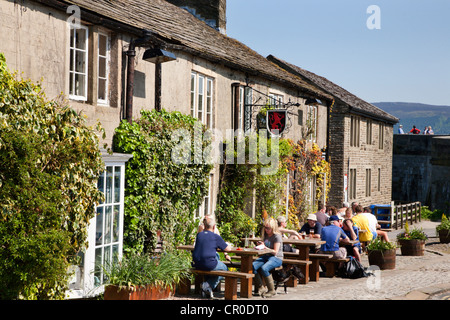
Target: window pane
(80, 85)
(102, 44)
(117, 171)
(80, 61)
(101, 182)
(99, 227)
(116, 227)
(106, 258)
(193, 94)
(98, 267)
(102, 67)
(72, 64)
(101, 89)
(108, 224)
(80, 39)
(109, 181)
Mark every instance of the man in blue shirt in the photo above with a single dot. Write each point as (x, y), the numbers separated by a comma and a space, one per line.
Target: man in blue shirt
(333, 234)
(205, 255)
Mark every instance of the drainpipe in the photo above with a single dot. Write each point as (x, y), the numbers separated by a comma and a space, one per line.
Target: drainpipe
(158, 77)
(131, 54)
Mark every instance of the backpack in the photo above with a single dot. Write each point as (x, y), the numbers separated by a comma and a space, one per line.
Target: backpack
(352, 269)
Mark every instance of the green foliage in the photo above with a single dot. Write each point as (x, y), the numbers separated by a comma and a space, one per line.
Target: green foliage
(143, 269)
(415, 233)
(237, 182)
(159, 194)
(435, 215)
(379, 244)
(445, 224)
(49, 166)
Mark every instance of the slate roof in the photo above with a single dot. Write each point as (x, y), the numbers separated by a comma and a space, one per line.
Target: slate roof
(182, 30)
(356, 104)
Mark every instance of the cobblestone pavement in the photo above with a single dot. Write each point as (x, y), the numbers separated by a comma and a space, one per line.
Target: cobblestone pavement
(414, 278)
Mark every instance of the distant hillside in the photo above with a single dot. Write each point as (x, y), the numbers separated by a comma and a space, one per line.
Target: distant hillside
(418, 114)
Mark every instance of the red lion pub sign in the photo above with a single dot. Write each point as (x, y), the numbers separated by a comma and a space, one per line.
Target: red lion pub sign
(276, 120)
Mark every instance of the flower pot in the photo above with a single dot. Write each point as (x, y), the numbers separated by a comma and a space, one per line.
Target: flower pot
(412, 247)
(150, 292)
(384, 259)
(444, 236)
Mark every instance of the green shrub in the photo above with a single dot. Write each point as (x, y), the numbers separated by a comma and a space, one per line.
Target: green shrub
(49, 166)
(159, 194)
(144, 269)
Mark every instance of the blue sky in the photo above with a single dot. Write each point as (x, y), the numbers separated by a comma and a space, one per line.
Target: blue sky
(406, 60)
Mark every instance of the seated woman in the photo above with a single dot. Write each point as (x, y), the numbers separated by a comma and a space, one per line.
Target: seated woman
(282, 227)
(266, 263)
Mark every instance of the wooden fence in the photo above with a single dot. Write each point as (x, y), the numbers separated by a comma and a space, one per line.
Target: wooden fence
(398, 214)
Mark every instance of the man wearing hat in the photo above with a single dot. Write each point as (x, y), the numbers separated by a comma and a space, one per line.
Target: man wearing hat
(312, 225)
(333, 234)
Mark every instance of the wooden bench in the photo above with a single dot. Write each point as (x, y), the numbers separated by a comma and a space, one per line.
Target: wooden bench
(231, 278)
(331, 265)
(316, 258)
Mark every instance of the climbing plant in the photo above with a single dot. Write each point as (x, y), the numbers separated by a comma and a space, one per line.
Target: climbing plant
(49, 165)
(161, 195)
(241, 182)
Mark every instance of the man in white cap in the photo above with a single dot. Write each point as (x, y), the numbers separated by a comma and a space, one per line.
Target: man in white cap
(312, 225)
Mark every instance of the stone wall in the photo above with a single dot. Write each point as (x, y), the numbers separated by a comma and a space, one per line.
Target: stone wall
(421, 170)
(344, 157)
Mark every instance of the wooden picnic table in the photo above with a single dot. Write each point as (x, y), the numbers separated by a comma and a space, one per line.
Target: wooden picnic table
(246, 255)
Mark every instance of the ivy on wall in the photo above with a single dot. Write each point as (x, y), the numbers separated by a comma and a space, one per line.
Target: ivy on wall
(240, 183)
(161, 196)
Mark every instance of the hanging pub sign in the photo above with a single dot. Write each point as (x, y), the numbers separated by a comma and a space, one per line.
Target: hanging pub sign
(276, 120)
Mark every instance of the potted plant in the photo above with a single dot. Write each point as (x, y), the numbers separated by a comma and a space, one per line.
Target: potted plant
(382, 253)
(412, 242)
(443, 230)
(145, 277)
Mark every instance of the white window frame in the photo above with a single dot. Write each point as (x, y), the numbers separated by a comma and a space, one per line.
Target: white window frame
(73, 73)
(202, 98)
(107, 61)
(205, 207)
(83, 283)
(275, 100)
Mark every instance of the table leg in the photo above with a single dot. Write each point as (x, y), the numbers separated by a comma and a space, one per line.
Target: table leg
(246, 284)
(303, 253)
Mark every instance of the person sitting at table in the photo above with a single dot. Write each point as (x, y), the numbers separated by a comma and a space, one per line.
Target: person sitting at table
(333, 234)
(353, 233)
(312, 225)
(204, 255)
(201, 227)
(362, 223)
(374, 225)
(321, 215)
(282, 224)
(267, 262)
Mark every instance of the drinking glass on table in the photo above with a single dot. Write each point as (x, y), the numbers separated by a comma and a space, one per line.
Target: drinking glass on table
(311, 234)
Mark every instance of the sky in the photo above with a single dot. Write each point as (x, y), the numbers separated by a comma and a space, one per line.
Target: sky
(398, 53)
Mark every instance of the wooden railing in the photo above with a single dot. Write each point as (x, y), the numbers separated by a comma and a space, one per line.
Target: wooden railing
(398, 215)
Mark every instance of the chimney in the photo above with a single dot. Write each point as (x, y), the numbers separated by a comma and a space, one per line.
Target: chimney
(212, 12)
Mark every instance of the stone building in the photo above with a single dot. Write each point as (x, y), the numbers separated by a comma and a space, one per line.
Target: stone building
(95, 54)
(359, 140)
